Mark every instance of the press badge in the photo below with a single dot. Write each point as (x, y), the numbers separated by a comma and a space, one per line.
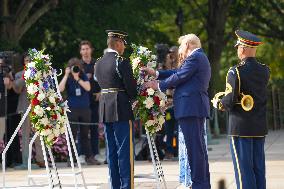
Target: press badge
(78, 92)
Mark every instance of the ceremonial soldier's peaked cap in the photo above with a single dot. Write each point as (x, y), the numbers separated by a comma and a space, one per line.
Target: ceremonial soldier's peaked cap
(247, 39)
(117, 34)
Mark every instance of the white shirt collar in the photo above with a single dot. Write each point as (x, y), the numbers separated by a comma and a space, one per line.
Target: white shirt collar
(193, 51)
(111, 50)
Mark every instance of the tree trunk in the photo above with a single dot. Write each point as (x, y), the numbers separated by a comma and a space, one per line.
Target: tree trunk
(216, 21)
(13, 27)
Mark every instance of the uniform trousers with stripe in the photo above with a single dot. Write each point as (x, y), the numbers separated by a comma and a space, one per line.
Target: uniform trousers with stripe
(193, 132)
(119, 153)
(249, 162)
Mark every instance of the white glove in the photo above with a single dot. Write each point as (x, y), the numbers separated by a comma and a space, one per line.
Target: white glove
(215, 102)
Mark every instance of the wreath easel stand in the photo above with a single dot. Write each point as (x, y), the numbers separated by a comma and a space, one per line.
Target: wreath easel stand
(51, 176)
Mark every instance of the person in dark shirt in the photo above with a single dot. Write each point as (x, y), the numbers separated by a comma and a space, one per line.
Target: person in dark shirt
(78, 86)
(88, 63)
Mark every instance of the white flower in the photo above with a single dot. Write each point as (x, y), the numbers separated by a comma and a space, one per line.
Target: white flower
(154, 57)
(147, 52)
(46, 132)
(142, 49)
(135, 62)
(150, 91)
(56, 132)
(44, 121)
(62, 130)
(41, 96)
(149, 102)
(149, 123)
(162, 103)
(162, 95)
(52, 99)
(32, 89)
(61, 119)
(27, 74)
(38, 110)
(50, 137)
(31, 65)
(48, 108)
(38, 75)
(161, 120)
(43, 56)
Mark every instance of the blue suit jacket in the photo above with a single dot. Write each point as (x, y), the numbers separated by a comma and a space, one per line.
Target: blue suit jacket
(191, 82)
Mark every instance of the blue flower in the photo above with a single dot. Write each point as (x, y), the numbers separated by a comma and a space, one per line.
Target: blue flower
(34, 50)
(45, 85)
(33, 72)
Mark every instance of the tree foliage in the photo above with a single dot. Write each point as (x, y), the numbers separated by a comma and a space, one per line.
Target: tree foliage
(148, 22)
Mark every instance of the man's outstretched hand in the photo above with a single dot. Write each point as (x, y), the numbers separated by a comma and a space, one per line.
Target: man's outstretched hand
(152, 84)
(149, 71)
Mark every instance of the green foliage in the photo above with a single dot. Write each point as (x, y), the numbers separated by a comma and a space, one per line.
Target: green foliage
(61, 30)
(149, 22)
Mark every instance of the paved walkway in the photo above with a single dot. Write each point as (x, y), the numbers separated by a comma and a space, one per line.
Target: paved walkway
(220, 167)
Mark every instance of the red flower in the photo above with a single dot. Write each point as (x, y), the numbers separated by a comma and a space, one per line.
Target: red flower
(48, 127)
(36, 83)
(151, 117)
(144, 93)
(52, 106)
(35, 101)
(156, 100)
(54, 116)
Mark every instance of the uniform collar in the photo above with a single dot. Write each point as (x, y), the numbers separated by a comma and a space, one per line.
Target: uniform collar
(248, 59)
(111, 50)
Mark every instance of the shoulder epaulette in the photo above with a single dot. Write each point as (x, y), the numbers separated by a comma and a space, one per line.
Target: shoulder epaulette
(99, 58)
(232, 70)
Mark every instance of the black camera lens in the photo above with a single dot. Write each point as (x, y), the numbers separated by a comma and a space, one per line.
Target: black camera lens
(75, 69)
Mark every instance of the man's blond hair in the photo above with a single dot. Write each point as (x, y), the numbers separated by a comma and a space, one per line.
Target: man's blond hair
(191, 41)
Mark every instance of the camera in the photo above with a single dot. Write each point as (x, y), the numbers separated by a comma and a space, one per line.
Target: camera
(75, 69)
(5, 70)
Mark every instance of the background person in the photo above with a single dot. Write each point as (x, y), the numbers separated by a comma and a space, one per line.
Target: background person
(78, 86)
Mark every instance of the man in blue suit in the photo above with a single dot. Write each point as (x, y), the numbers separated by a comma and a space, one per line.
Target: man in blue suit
(191, 103)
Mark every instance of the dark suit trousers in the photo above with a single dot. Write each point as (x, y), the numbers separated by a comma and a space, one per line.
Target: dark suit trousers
(193, 131)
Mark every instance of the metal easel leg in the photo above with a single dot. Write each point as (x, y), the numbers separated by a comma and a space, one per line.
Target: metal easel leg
(30, 158)
(9, 144)
(158, 170)
(48, 171)
(54, 166)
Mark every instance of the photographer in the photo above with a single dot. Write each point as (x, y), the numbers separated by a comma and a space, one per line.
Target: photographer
(78, 86)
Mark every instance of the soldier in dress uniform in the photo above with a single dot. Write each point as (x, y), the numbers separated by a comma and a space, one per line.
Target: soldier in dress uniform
(118, 89)
(245, 99)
